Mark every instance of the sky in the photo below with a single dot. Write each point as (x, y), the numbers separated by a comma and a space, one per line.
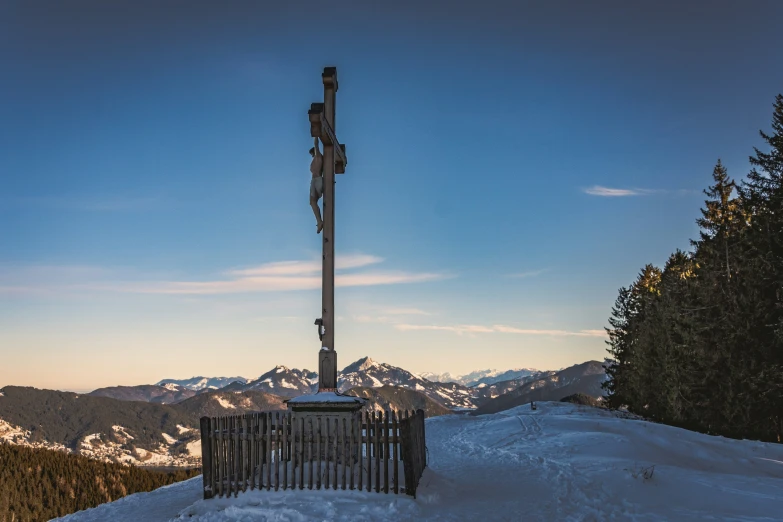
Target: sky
(511, 165)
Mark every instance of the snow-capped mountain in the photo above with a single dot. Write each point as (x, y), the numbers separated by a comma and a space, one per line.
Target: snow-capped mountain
(585, 378)
(202, 383)
(282, 381)
(371, 374)
(480, 376)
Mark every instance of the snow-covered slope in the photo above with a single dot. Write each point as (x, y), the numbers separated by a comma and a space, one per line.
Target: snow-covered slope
(559, 462)
(202, 383)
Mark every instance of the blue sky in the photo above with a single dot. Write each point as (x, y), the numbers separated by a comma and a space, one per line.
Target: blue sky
(511, 165)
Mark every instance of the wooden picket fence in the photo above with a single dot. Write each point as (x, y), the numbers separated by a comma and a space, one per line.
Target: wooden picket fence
(276, 450)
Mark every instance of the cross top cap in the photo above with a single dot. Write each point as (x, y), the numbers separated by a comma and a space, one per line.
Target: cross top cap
(329, 77)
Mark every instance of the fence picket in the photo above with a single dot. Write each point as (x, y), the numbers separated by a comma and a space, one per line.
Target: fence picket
(334, 453)
(310, 433)
(318, 448)
(351, 447)
(386, 452)
(301, 454)
(395, 450)
(360, 446)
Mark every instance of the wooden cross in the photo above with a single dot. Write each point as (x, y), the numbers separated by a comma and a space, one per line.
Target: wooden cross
(322, 125)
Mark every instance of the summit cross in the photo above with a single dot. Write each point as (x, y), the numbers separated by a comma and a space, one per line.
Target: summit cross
(322, 126)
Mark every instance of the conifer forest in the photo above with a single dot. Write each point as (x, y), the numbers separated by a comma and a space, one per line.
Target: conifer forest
(698, 343)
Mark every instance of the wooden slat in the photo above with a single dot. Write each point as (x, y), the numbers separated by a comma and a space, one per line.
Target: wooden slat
(368, 456)
(377, 444)
(352, 448)
(386, 452)
(327, 453)
(318, 449)
(360, 448)
(343, 450)
(334, 454)
(235, 455)
(284, 448)
(268, 450)
(310, 434)
(219, 459)
(395, 452)
(206, 461)
(244, 462)
(224, 453)
(277, 450)
(301, 453)
(294, 452)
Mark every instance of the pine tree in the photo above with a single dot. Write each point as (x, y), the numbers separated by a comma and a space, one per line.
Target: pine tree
(762, 195)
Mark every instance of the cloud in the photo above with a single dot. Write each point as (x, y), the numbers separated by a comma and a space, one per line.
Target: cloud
(531, 273)
(291, 268)
(498, 328)
(388, 315)
(598, 190)
(286, 276)
(271, 277)
(405, 311)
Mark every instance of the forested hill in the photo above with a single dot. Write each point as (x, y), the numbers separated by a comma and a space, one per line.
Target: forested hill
(40, 484)
(66, 417)
(699, 343)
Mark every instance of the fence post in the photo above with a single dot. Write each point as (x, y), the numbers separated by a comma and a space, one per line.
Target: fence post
(396, 451)
(206, 458)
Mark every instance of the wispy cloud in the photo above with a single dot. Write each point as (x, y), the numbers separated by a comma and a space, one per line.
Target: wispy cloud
(598, 190)
(271, 277)
(405, 311)
(293, 268)
(530, 273)
(388, 315)
(498, 328)
(287, 276)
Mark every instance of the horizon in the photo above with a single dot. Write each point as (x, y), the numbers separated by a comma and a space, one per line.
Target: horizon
(155, 211)
(249, 379)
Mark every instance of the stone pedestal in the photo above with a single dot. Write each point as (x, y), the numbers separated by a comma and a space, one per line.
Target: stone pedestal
(327, 370)
(340, 410)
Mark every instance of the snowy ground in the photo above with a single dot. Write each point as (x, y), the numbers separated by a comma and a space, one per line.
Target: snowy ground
(560, 462)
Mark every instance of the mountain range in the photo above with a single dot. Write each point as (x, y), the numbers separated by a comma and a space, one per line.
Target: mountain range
(158, 424)
(479, 377)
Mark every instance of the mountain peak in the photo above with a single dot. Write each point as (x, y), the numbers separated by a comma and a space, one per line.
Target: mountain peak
(363, 364)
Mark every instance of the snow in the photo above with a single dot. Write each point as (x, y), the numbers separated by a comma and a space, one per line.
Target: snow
(286, 384)
(182, 429)
(2, 394)
(194, 448)
(122, 433)
(324, 397)
(168, 438)
(223, 402)
(558, 462)
(171, 386)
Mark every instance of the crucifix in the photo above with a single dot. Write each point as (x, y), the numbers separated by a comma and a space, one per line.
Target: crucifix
(322, 126)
